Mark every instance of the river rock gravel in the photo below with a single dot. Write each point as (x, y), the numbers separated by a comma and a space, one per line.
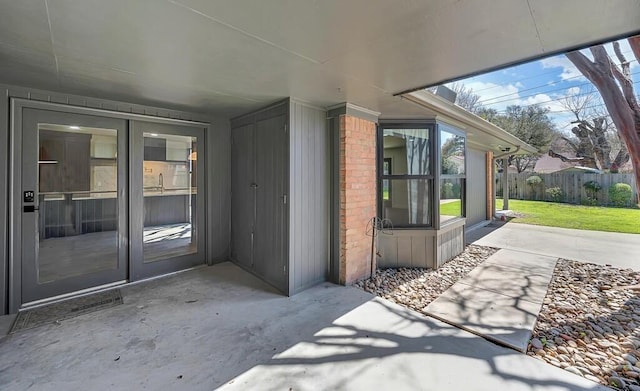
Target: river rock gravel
(590, 324)
(415, 288)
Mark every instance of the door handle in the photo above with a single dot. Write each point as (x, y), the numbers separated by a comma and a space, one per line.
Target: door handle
(254, 185)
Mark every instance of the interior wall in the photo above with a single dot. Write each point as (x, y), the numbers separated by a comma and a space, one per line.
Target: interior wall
(399, 193)
(476, 197)
(218, 167)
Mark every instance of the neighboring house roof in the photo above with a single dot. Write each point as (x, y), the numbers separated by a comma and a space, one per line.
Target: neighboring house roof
(548, 164)
(480, 132)
(587, 170)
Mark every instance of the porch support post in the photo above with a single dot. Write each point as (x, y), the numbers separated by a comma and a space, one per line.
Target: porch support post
(490, 194)
(505, 184)
(354, 189)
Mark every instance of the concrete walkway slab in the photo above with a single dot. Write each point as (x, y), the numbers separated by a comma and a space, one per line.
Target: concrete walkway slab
(529, 262)
(604, 248)
(492, 315)
(500, 303)
(219, 327)
(512, 282)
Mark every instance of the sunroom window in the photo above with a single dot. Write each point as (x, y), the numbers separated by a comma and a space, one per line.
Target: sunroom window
(406, 180)
(452, 173)
(420, 174)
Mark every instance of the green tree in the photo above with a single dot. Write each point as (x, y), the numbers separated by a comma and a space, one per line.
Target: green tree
(530, 124)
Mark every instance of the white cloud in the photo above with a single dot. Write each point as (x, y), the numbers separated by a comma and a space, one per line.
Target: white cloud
(573, 91)
(569, 71)
(491, 93)
(543, 100)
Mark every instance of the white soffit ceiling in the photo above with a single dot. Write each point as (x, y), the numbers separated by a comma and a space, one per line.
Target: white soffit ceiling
(229, 57)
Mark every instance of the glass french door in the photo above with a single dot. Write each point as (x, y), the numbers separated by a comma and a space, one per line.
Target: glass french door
(167, 206)
(103, 200)
(73, 204)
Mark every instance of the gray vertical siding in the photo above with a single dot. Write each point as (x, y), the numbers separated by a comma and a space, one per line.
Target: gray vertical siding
(334, 167)
(450, 244)
(407, 248)
(218, 169)
(4, 199)
(476, 187)
(309, 189)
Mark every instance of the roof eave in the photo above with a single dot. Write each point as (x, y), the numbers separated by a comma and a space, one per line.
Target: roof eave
(448, 109)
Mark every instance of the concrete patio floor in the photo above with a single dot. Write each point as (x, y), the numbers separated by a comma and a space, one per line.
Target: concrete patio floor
(219, 327)
(605, 248)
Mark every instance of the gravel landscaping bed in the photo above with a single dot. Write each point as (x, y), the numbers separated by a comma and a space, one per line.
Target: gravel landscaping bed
(415, 288)
(590, 323)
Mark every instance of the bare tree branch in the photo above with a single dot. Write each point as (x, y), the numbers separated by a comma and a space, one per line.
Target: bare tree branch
(624, 64)
(617, 92)
(565, 158)
(624, 78)
(634, 42)
(570, 142)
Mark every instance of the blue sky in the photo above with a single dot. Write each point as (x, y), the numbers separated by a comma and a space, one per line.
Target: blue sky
(546, 82)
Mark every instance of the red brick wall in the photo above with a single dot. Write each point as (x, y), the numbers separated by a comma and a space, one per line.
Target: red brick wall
(357, 196)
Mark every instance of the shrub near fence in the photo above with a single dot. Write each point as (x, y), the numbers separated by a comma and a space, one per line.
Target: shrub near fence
(571, 183)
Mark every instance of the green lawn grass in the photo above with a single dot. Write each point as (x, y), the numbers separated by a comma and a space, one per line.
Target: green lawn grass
(592, 218)
(451, 208)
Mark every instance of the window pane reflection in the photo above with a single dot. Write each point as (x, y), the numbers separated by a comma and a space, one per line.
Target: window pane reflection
(451, 191)
(407, 151)
(77, 199)
(451, 154)
(170, 194)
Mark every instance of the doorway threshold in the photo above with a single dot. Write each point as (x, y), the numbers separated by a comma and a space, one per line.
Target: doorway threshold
(76, 294)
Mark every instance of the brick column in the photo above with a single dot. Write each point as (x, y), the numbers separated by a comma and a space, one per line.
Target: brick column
(357, 196)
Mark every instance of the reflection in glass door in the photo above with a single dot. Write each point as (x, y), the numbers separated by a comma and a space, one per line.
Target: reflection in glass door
(170, 191)
(167, 169)
(78, 213)
(71, 224)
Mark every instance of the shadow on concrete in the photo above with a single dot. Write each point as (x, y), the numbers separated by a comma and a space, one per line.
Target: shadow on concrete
(480, 232)
(380, 345)
(220, 326)
(506, 319)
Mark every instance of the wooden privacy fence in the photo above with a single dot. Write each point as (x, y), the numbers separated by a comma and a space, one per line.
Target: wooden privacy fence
(571, 184)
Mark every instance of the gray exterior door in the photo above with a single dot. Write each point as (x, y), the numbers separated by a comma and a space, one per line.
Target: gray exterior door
(72, 200)
(271, 198)
(243, 193)
(259, 199)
